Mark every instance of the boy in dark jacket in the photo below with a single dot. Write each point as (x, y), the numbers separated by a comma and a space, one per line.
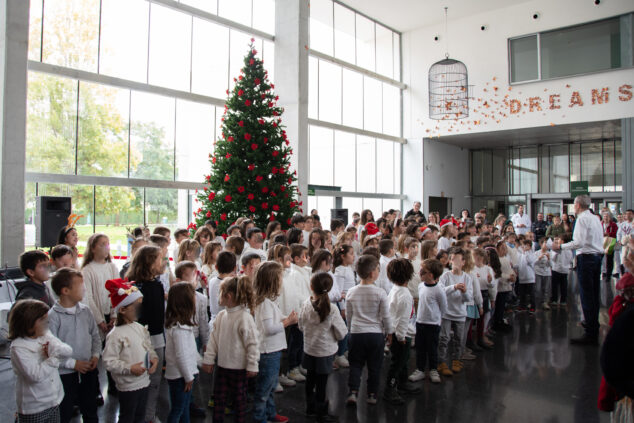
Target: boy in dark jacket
(34, 265)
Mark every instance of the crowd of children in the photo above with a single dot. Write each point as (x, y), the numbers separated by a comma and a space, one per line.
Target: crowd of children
(261, 321)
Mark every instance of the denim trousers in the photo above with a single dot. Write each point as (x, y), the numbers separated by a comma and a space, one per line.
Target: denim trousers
(264, 400)
(179, 401)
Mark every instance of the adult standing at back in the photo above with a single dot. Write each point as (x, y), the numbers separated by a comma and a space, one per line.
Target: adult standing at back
(587, 240)
(521, 221)
(415, 211)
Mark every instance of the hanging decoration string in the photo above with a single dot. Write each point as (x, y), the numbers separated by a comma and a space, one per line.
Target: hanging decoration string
(446, 35)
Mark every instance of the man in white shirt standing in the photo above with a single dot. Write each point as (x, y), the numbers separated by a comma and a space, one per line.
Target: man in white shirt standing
(521, 221)
(587, 240)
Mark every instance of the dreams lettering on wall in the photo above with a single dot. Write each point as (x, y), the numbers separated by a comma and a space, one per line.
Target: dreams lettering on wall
(596, 96)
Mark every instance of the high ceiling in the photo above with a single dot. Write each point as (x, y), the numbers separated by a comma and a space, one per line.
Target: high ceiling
(405, 15)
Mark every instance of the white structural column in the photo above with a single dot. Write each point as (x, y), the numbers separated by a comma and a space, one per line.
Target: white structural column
(627, 158)
(14, 34)
(291, 81)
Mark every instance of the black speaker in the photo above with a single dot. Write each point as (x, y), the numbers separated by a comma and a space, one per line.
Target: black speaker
(51, 215)
(341, 214)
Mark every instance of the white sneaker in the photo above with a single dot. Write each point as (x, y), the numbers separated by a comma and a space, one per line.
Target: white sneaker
(279, 388)
(285, 381)
(342, 362)
(434, 376)
(296, 375)
(545, 306)
(416, 376)
(303, 370)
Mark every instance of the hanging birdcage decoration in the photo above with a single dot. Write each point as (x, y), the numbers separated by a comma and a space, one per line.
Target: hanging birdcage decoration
(448, 87)
(448, 90)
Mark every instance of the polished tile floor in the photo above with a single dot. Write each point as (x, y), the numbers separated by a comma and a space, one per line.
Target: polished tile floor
(532, 375)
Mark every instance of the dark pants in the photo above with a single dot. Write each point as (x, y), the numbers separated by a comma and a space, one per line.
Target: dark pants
(589, 275)
(295, 347)
(609, 265)
(316, 392)
(234, 382)
(365, 349)
(179, 401)
(559, 287)
(79, 389)
(264, 402)
(500, 306)
(397, 373)
(132, 406)
(527, 291)
(427, 346)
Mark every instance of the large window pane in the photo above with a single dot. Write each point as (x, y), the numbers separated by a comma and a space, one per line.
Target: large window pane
(313, 88)
(352, 88)
(103, 130)
(618, 166)
(528, 170)
(592, 165)
(170, 48)
(353, 204)
(575, 162)
(321, 33)
(384, 54)
(365, 38)
(374, 204)
(161, 206)
(71, 30)
(51, 124)
(210, 60)
(559, 178)
(345, 171)
(264, 15)
(391, 110)
(152, 136)
(117, 208)
(320, 156)
(499, 171)
(366, 164)
(397, 167)
(124, 38)
(385, 167)
(194, 140)
(587, 48)
(396, 40)
(236, 10)
(372, 104)
(35, 30)
(323, 206)
(608, 166)
(329, 92)
(344, 33)
(524, 63)
(268, 58)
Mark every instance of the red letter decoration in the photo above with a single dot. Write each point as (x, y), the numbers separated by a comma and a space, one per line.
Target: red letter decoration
(604, 96)
(553, 99)
(515, 106)
(626, 91)
(575, 99)
(534, 103)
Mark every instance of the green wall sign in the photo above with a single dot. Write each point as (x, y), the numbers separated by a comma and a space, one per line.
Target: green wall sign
(578, 188)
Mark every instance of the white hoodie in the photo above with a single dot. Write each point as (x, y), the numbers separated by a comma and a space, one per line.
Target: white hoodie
(38, 386)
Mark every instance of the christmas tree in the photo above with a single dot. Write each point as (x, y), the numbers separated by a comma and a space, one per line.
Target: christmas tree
(250, 166)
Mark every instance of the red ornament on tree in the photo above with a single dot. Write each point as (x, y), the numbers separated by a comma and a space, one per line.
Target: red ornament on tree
(247, 136)
(212, 195)
(227, 178)
(250, 196)
(254, 146)
(208, 214)
(223, 216)
(241, 123)
(265, 206)
(240, 189)
(227, 198)
(247, 103)
(252, 209)
(251, 166)
(258, 178)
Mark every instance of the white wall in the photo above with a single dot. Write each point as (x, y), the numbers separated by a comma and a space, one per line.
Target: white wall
(412, 172)
(445, 174)
(486, 57)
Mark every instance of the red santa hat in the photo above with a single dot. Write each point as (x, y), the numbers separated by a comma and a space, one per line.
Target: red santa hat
(445, 222)
(371, 229)
(424, 230)
(122, 293)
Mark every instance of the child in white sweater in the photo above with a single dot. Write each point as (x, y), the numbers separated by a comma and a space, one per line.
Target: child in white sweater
(234, 342)
(401, 303)
(458, 288)
(323, 327)
(181, 355)
(35, 357)
(186, 272)
(561, 261)
(272, 340)
(543, 273)
(526, 273)
(369, 323)
(129, 355)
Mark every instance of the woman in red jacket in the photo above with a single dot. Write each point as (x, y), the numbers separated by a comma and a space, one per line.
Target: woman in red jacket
(609, 230)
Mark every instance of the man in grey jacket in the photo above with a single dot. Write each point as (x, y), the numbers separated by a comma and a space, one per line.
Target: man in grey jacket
(73, 323)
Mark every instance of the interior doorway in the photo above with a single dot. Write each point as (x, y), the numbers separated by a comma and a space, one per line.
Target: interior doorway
(440, 205)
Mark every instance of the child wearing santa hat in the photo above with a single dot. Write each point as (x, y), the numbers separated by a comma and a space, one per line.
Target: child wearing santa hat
(129, 355)
(447, 233)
